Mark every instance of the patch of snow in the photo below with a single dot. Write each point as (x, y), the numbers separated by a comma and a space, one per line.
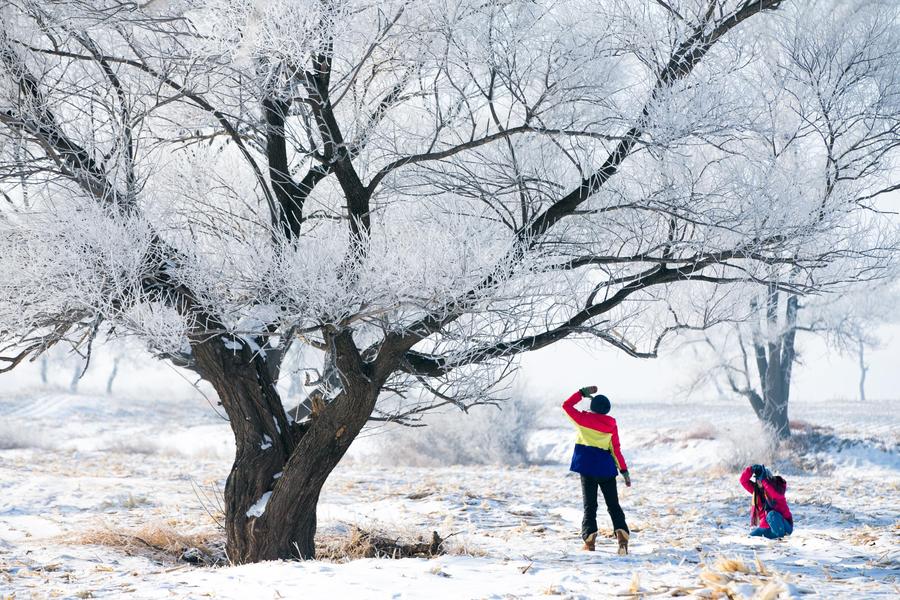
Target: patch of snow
(684, 515)
(254, 347)
(259, 507)
(232, 344)
(266, 443)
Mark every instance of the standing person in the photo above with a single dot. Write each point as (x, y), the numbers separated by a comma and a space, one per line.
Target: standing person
(598, 459)
(769, 510)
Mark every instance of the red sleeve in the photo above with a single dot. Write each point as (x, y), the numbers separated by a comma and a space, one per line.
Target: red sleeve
(745, 480)
(574, 414)
(617, 452)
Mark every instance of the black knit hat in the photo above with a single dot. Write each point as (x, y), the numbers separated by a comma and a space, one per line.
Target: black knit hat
(600, 404)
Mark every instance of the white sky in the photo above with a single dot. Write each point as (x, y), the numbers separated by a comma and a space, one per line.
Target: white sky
(566, 366)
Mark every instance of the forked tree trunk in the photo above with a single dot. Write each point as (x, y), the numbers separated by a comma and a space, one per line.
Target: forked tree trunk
(772, 411)
(280, 467)
(775, 415)
(775, 354)
(288, 526)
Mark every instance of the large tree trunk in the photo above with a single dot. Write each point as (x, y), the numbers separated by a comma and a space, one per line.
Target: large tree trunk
(775, 354)
(258, 423)
(280, 467)
(288, 526)
(775, 413)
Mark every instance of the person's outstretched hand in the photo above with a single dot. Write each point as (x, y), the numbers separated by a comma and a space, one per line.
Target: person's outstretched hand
(627, 478)
(589, 390)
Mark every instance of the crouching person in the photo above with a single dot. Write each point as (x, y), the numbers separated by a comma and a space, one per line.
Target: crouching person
(769, 511)
(598, 459)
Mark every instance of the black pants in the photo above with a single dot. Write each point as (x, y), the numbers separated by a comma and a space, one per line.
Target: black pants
(607, 485)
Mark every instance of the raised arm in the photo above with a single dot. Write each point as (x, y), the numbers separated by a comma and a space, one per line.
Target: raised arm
(745, 479)
(569, 405)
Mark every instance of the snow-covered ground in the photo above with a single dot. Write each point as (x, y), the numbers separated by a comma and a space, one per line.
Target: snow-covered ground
(73, 466)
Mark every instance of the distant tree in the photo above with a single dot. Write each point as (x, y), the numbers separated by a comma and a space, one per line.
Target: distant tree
(64, 362)
(113, 373)
(756, 357)
(839, 73)
(850, 322)
(418, 191)
(121, 353)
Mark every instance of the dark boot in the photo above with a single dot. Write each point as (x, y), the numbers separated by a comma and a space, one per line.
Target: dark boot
(622, 538)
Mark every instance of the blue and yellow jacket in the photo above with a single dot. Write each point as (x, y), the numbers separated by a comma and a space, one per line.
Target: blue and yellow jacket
(597, 451)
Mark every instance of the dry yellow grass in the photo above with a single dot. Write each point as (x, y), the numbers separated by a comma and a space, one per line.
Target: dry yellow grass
(866, 536)
(714, 579)
(554, 590)
(728, 576)
(158, 540)
(635, 586)
(374, 544)
(760, 566)
(769, 592)
(732, 565)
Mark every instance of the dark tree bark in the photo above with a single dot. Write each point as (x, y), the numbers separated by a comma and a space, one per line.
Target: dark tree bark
(775, 353)
(285, 462)
(261, 433)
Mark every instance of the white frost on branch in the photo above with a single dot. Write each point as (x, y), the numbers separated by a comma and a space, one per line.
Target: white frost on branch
(232, 344)
(466, 123)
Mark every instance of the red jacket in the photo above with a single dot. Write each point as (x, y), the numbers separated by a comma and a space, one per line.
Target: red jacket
(770, 499)
(597, 451)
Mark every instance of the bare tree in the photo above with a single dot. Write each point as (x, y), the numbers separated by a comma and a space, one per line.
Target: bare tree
(762, 368)
(840, 72)
(849, 323)
(756, 357)
(417, 191)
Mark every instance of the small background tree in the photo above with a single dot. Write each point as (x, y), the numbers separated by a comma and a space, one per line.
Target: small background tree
(850, 323)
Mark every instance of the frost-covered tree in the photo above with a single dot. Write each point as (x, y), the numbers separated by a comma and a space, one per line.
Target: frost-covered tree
(416, 191)
(849, 323)
(839, 74)
(755, 357)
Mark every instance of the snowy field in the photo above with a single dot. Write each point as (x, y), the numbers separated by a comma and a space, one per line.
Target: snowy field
(83, 478)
